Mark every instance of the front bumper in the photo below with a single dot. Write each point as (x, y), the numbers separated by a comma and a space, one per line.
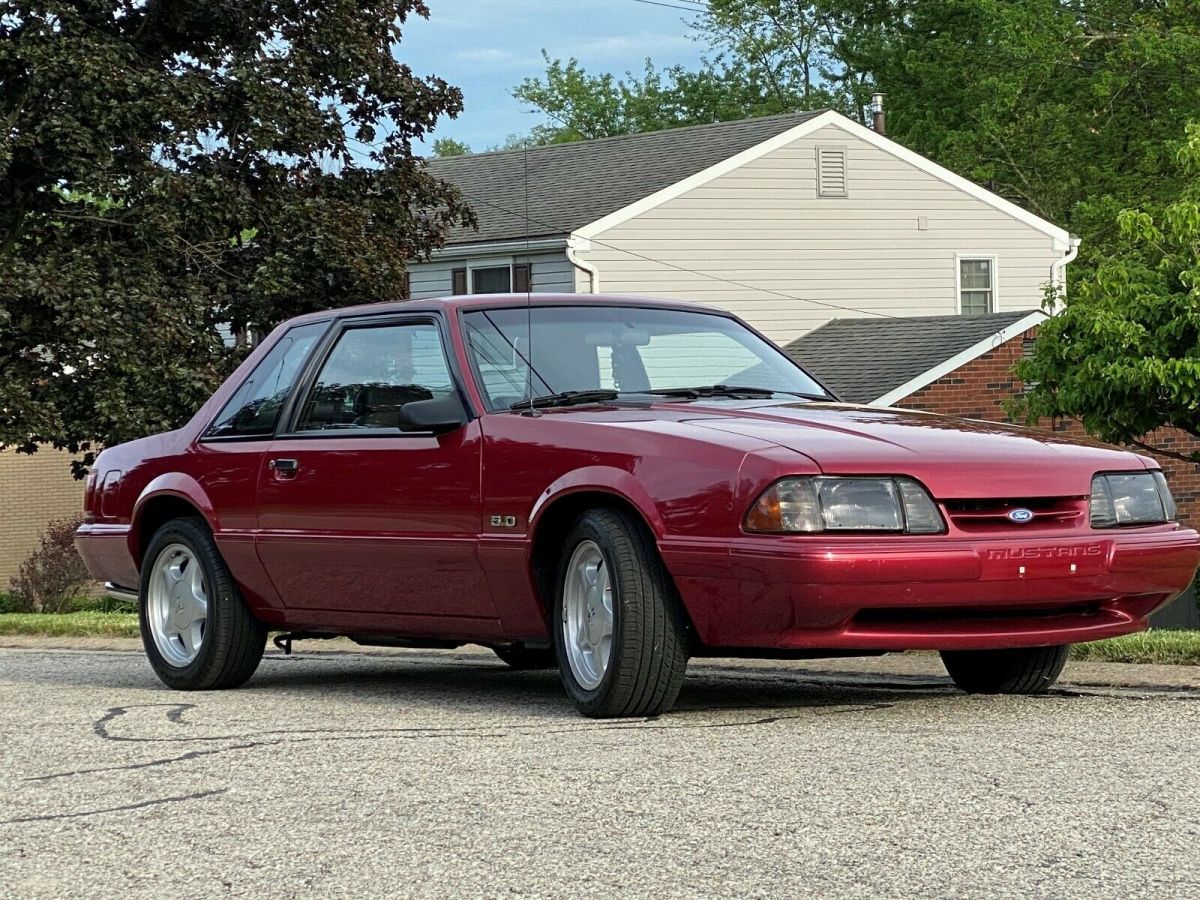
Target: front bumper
(845, 593)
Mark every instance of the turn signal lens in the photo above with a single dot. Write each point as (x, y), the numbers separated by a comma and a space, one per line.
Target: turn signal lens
(1164, 493)
(789, 505)
(806, 505)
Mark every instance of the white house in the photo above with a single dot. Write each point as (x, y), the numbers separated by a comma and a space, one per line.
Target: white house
(790, 221)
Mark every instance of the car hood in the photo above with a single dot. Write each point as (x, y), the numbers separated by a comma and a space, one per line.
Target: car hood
(954, 458)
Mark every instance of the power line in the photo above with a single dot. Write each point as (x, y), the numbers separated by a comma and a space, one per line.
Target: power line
(720, 278)
(690, 9)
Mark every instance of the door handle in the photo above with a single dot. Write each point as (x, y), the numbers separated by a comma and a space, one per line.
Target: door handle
(284, 466)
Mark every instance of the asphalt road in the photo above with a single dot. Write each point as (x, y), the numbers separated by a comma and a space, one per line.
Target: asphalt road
(446, 775)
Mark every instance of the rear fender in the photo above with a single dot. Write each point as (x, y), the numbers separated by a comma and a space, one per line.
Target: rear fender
(170, 484)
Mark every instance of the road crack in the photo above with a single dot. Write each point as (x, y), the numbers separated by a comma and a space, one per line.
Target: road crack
(199, 795)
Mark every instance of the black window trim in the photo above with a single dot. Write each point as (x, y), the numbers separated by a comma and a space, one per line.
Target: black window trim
(206, 438)
(286, 427)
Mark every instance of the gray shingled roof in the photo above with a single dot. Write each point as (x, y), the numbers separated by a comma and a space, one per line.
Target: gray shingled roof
(864, 359)
(571, 185)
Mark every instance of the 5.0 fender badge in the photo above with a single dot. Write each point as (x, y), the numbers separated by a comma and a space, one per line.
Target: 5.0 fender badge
(504, 521)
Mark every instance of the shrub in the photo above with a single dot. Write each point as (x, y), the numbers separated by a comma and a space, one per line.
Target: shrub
(53, 575)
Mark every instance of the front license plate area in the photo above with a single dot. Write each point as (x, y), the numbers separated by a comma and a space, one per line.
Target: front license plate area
(1048, 561)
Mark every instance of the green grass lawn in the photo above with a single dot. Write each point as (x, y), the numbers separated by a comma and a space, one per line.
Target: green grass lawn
(76, 624)
(1167, 647)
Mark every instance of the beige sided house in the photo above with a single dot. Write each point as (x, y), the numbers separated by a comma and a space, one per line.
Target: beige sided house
(790, 221)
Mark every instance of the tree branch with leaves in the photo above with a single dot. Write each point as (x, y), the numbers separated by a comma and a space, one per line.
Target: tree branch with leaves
(1123, 356)
(166, 168)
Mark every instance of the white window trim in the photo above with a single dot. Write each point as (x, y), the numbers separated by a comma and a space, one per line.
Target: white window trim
(498, 262)
(959, 259)
(842, 149)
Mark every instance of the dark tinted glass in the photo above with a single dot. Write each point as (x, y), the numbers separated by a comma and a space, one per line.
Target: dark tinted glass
(372, 372)
(254, 409)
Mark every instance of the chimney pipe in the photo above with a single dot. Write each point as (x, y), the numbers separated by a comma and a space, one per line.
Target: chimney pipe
(878, 116)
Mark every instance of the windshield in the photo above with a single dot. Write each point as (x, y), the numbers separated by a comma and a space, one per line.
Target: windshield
(627, 349)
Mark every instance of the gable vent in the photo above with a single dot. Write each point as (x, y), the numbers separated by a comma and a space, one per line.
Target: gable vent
(831, 172)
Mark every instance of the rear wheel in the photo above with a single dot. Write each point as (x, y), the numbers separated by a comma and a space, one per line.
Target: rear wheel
(619, 630)
(1026, 670)
(518, 656)
(196, 629)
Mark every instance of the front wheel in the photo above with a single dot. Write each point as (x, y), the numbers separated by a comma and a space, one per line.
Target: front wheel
(1025, 670)
(620, 633)
(196, 629)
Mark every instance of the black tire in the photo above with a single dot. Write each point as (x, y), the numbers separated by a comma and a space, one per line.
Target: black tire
(649, 653)
(1026, 670)
(233, 640)
(518, 656)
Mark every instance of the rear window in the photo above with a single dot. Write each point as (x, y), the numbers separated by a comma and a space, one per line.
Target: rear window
(253, 410)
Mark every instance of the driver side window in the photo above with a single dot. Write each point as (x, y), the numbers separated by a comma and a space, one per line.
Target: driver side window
(372, 372)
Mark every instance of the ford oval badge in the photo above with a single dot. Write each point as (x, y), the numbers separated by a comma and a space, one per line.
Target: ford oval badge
(1020, 515)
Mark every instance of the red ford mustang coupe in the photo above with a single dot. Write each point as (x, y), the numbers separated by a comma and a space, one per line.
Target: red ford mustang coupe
(611, 486)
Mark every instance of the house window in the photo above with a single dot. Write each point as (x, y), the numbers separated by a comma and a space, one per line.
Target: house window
(831, 172)
(976, 286)
(516, 278)
(492, 280)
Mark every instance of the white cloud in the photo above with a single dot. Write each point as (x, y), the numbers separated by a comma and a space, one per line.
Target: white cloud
(624, 46)
(486, 55)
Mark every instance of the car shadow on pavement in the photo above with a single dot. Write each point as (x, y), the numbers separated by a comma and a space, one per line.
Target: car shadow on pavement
(416, 680)
(478, 683)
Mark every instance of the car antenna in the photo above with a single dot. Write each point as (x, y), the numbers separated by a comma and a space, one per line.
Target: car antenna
(531, 411)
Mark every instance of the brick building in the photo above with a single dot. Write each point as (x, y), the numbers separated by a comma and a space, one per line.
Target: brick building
(33, 491)
(960, 366)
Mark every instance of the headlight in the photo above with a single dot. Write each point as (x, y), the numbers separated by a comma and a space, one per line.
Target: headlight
(1131, 498)
(845, 504)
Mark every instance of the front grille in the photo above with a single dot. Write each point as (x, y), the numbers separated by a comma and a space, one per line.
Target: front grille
(991, 514)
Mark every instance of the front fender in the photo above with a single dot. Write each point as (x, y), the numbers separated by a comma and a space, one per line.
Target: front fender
(605, 480)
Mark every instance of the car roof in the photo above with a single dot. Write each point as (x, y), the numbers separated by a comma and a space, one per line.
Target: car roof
(493, 301)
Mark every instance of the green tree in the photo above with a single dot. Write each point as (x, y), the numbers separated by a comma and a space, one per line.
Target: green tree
(1124, 354)
(1063, 106)
(583, 106)
(450, 147)
(170, 165)
(796, 51)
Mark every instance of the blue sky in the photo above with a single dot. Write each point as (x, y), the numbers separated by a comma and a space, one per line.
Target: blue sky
(486, 47)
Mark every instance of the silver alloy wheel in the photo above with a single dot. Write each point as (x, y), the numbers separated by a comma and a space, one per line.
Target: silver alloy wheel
(587, 615)
(177, 605)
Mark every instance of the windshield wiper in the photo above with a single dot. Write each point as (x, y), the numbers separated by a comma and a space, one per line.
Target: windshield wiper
(728, 390)
(566, 398)
(712, 390)
(817, 398)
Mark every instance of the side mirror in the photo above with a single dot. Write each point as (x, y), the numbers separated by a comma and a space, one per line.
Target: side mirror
(439, 416)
